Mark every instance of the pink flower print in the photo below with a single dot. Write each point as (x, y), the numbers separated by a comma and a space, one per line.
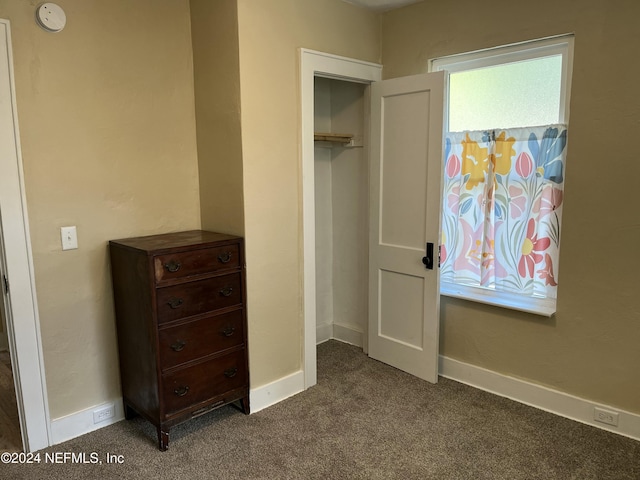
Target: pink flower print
(517, 202)
(524, 165)
(453, 166)
(500, 271)
(488, 258)
(532, 247)
(443, 247)
(550, 200)
(546, 273)
(453, 199)
(470, 254)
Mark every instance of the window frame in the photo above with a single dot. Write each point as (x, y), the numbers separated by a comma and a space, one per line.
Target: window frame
(528, 50)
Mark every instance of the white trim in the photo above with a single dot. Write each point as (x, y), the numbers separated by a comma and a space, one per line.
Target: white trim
(274, 392)
(78, 423)
(81, 422)
(23, 324)
(324, 332)
(503, 53)
(538, 396)
(538, 306)
(557, 45)
(312, 64)
(342, 333)
(347, 334)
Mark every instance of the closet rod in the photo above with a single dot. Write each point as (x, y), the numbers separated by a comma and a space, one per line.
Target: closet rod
(333, 137)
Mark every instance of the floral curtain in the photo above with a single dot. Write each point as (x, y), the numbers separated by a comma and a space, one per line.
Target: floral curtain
(502, 204)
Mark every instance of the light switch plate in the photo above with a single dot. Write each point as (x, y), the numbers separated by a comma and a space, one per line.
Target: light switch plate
(69, 238)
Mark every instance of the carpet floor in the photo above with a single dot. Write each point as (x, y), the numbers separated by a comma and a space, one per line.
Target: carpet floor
(364, 420)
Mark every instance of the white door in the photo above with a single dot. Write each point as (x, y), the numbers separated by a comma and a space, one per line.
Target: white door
(406, 168)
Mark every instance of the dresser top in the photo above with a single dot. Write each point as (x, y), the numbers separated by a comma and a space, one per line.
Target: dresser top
(154, 244)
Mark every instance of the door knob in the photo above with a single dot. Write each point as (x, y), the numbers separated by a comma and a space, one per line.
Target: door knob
(428, 259)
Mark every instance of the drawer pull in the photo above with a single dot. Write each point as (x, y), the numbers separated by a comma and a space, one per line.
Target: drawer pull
(182, 391)
(226, 291)
(174, 302)
(231, 372)
(173, 266)
(178, 346)
(224, 257)
(228, 331)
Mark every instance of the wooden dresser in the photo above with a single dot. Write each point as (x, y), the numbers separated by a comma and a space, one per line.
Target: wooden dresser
(181, 323)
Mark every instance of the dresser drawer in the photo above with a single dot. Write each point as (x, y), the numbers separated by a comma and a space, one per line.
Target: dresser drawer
(195, 262)
(192, 385)
(198, 297)
(206, 336)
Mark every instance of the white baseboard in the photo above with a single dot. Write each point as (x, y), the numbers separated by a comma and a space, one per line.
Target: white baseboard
(538, 396)
(324, 332)
(347, 334)
(79, 423)
(274, 392)
(343, 333)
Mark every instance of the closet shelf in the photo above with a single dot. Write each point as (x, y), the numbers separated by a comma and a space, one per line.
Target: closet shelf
(340, 138)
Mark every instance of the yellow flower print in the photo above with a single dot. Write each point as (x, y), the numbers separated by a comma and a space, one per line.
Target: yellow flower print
(475, 159)
(475, 162)
(503, 152)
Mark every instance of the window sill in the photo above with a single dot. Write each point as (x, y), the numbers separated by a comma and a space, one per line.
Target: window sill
(538, 306)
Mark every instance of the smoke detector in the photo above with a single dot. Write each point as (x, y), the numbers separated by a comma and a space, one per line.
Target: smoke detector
(51, 17)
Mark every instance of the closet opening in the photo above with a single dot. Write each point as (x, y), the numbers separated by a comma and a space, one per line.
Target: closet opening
(320, 68)
(341, 188)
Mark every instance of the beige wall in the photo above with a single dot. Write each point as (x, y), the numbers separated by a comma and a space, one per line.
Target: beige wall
(214, 29)
(590, 348)
(270, 35)
(107, 125)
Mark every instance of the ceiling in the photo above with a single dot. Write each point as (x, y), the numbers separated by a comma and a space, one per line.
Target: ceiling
(382, 5)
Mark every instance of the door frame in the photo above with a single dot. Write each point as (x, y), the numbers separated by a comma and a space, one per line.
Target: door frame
(23, 324)
(318, 64)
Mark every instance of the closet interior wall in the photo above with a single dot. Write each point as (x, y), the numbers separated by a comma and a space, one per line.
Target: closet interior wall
(342, 211)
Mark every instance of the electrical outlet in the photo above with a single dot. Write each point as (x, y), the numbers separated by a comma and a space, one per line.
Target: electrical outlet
(605, 416)
(102, 414)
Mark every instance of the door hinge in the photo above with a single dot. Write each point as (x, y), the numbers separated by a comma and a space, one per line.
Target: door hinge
(6, 283)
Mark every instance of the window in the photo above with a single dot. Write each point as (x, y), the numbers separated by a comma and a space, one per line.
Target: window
(505, 150)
